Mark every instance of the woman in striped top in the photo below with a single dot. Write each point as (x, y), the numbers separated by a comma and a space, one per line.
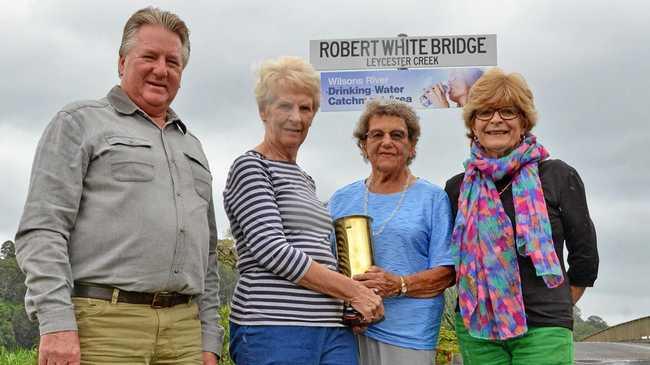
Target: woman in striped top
(287, 304)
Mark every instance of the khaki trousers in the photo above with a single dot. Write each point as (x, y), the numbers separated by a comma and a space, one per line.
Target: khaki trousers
(125, 333)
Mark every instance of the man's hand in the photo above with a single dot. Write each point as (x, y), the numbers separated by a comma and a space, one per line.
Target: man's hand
(59, 348)
(210, 358)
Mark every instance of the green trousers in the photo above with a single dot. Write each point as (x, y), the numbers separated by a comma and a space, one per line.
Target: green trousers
(539, 346)
(137, 334)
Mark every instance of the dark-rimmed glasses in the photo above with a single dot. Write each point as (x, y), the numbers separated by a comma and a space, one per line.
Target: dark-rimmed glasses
(506, 113)
(396, 135)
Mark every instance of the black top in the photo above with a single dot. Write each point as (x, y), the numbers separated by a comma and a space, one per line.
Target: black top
(570, 223)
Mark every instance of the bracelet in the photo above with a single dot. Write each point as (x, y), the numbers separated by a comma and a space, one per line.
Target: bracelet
(403, 289)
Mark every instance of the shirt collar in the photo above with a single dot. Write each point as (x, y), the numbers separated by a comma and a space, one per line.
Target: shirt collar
(121, 102)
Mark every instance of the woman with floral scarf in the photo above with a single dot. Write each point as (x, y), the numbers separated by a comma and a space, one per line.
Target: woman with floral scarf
(515, 211)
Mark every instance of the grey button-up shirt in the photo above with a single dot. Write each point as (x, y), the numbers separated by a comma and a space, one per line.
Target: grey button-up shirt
(116, 200)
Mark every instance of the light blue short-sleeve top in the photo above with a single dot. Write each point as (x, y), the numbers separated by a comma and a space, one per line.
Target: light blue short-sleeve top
(416, 238)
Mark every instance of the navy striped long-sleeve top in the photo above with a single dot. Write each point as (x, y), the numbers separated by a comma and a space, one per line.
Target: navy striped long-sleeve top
(280, 227)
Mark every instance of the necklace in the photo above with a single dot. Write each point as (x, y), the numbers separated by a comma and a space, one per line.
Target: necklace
(399, 204)
(505, 187)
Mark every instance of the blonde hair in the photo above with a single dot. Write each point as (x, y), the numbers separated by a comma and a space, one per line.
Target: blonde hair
(291, 73)
(155, 16)
(392, 108)
(497, 89)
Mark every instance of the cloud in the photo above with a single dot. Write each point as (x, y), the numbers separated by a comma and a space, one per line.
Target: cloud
(16, 151)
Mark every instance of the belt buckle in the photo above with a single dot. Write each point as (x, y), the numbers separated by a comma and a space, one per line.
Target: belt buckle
(162, 299)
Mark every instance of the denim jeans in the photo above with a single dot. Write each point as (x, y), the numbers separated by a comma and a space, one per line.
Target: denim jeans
(291, 345)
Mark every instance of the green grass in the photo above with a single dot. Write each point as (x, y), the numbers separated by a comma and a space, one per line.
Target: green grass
(18, 357)
(224, 313)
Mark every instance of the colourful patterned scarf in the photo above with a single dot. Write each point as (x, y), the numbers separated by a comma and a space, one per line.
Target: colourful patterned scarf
(487, 273)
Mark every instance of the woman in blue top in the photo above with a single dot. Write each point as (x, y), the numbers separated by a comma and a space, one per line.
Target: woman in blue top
(411, 227)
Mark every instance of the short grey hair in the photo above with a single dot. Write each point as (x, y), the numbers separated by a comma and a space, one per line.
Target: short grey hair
(390, 107)
(286, 73)
(155, 16)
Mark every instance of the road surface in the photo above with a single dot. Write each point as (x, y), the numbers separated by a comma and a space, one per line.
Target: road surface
(612, 353)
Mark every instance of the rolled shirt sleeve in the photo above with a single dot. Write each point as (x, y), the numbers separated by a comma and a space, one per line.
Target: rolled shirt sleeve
(49, 216)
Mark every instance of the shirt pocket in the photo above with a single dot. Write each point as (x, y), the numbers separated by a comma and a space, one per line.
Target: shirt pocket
(131, 159)
(201, 176)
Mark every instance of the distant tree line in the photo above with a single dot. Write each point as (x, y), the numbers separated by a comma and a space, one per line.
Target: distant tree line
(583, 328)
(227, 269)
(16, 331)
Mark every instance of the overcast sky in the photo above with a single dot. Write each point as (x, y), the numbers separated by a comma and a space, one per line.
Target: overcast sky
(587, 62)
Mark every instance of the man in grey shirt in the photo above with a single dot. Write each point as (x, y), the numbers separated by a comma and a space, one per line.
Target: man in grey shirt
(118, 238)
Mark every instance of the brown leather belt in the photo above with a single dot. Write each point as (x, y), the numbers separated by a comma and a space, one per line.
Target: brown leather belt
(114, 295)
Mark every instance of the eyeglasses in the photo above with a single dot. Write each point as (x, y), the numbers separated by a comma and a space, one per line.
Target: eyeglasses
(506, 113)
(376, 135)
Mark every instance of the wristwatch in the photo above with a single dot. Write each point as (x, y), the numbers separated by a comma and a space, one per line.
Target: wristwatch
(403, 289)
